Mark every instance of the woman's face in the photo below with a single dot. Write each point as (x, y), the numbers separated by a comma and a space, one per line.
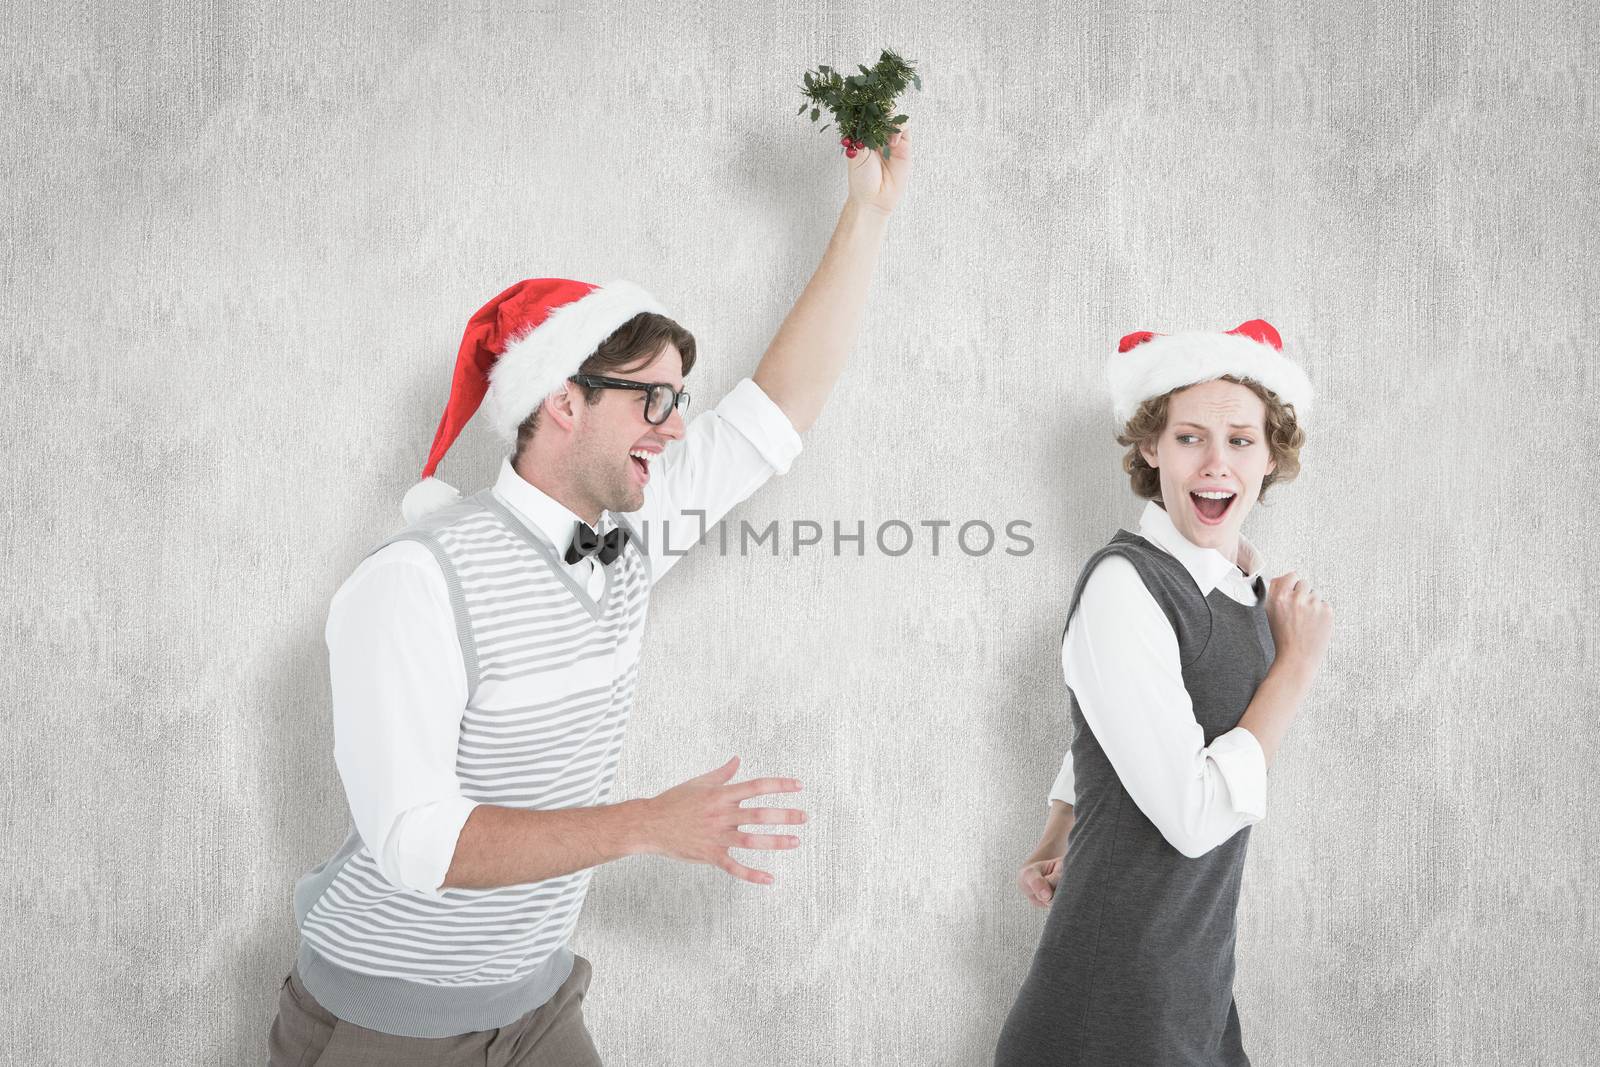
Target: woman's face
(1212, 457)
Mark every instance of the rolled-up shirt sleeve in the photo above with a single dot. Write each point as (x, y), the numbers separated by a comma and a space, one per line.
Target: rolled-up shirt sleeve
(1064, 787)
(723, 456)
(399, 693)
(1120, 659)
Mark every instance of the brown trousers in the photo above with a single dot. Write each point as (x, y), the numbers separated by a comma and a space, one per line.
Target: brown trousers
(305, 1034)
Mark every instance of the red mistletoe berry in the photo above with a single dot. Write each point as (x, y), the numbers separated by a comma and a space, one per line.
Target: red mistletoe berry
(862, 107)
(850, 152)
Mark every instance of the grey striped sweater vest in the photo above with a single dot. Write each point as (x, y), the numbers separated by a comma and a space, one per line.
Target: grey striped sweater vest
(550, 680)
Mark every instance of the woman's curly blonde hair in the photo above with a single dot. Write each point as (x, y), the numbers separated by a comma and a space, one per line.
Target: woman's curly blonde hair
(1285, 438)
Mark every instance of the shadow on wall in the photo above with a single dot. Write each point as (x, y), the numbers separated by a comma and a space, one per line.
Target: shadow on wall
(303, 813)
(303, 817)
(1027, 682)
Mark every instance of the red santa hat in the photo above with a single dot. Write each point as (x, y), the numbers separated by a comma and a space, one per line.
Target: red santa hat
(518, 349)
(1152, 364)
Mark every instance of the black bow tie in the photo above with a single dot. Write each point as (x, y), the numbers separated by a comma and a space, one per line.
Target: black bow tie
(586, 541)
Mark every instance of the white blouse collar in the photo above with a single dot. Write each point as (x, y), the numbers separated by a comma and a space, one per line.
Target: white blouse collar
(1207, 566)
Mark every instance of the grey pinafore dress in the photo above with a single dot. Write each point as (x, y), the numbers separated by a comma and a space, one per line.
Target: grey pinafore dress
(1135, 965)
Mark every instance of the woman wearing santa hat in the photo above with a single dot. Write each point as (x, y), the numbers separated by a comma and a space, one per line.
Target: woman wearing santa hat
(1184, 671)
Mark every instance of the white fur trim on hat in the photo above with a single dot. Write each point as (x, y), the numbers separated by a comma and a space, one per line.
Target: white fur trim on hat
(1172, 361)
(538, 362)
(426, 497)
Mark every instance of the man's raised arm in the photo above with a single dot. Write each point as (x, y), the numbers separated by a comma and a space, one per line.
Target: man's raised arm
(808, 351)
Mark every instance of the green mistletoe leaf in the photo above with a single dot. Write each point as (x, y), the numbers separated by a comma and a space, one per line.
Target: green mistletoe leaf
(861, 104)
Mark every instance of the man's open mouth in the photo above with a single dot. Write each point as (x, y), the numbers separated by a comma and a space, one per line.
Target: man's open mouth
(1211, 505)
(641, 463)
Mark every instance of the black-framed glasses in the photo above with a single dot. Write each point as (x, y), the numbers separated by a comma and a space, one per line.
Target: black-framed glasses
(659, 399)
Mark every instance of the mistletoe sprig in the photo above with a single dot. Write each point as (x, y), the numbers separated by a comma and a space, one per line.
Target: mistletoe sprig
(862, 105)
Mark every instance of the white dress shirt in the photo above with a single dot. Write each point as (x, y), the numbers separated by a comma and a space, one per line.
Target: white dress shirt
(1120, 659)
(394, 658)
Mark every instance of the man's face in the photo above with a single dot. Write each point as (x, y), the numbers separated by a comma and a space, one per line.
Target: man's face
(1212, 457)
(613, 446)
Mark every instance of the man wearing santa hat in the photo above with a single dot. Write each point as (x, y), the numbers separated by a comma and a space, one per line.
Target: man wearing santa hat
(483, 663)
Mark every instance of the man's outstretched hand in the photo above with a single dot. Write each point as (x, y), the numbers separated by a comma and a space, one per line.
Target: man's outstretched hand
(699, 820)
(879, 185)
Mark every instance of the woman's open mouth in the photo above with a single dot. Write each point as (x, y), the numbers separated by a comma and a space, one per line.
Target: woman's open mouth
(1211, 505)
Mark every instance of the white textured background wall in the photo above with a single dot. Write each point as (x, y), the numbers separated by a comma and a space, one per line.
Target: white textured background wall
(241, 240)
